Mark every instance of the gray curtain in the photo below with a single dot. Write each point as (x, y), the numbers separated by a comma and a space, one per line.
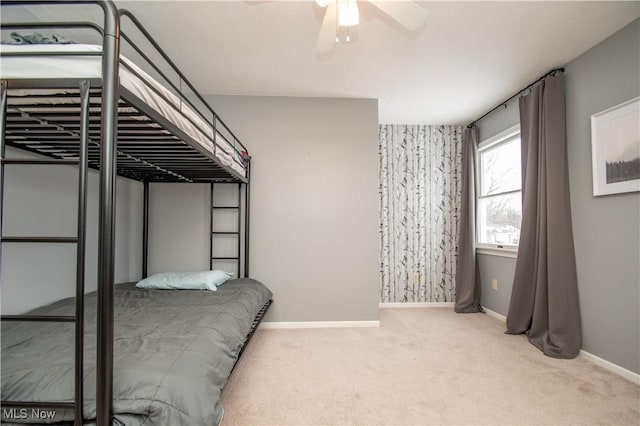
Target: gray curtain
(544, 300)
(467, 276)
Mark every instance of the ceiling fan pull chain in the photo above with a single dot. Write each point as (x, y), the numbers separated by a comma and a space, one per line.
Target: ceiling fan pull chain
(337, 26)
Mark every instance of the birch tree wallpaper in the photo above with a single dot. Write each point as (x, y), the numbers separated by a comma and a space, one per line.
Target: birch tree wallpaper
(420, 195)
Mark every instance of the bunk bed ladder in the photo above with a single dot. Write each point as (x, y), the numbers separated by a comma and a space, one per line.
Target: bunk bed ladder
(79, 240)
(213, 232)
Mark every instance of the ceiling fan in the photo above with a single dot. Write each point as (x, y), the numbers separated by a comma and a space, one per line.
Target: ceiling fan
(344, 13)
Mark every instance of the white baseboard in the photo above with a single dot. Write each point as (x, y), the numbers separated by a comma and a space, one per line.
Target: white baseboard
(614, 368)
(494, 314)
(607, 365)
(417, 305)
(319, 324)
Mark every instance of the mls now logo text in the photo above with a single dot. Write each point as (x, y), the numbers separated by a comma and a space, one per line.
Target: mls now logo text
(23, 413)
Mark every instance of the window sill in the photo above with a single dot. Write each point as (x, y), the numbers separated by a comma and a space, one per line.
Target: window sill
(491, 251)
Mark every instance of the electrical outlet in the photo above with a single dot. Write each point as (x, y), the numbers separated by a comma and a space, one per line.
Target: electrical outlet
(494, 284)
(416, 278)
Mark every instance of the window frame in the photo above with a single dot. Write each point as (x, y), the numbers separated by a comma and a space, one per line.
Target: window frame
(505, 250)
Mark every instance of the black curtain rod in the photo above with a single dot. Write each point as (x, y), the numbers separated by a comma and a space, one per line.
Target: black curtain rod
(504, 103)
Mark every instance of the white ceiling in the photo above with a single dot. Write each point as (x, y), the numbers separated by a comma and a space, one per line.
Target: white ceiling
(465, 59)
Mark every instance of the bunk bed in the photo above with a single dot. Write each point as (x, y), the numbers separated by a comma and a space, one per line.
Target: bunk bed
(88, 106)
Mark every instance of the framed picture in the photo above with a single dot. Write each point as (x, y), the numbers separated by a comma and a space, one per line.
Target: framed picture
(615, 148)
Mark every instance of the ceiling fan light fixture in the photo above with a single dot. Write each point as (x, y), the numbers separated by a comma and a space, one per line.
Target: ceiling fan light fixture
(348, 13)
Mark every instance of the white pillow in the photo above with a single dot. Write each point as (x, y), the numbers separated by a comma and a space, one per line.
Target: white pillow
(205, 280)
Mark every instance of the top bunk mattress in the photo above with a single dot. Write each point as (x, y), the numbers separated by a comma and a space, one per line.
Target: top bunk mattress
(74, 61)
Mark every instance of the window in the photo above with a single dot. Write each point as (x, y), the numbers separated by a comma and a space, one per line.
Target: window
(499, 191)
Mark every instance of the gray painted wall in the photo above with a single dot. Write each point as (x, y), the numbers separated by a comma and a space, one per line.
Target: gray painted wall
(314, 206)
(42, 201)
(606, 229)
(501, 269)
(314, 219)
(178, 227)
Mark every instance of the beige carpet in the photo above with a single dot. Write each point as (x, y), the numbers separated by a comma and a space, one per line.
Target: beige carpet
(422, 366)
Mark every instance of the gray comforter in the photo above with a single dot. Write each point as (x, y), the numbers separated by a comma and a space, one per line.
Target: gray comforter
(174, 350)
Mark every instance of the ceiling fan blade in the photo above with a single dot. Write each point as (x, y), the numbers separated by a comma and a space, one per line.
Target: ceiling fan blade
(327, 36)
(406, 13)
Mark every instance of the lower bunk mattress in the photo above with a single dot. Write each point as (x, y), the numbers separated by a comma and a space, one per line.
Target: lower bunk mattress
(174, 351)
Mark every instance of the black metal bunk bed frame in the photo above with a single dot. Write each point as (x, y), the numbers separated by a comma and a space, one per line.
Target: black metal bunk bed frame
(165, 159)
